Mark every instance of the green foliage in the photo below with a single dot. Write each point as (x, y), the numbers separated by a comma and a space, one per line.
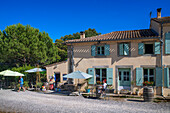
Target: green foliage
(21, 45)
(39, 84)
(26, 84)
(22, 69)
(62, 49)
(18, 85)
(87, 87)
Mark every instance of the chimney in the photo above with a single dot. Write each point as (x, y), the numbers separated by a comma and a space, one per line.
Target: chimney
(159, 12)
(82, 34)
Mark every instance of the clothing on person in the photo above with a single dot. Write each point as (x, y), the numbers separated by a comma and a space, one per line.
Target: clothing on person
(104, 85)
(21, 85)
(21, 81)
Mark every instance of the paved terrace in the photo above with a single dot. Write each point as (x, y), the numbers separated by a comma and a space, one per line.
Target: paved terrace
(34, 102)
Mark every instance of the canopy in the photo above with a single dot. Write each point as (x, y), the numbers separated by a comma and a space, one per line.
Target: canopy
(78, 75)
(10, 73)
(35, 70)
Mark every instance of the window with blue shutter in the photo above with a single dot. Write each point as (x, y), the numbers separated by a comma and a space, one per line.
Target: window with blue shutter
(140, 48)
(166, 77)
(107, 49)
(124, 49)
(157, 47)
(93, 50)
(109, 76)
(100, 50)
(91, 72)
(139, 76)
(167, 43)
(148, 75)
(158, 76)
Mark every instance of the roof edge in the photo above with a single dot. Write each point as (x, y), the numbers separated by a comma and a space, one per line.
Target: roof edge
(115, 39)
(55, 63)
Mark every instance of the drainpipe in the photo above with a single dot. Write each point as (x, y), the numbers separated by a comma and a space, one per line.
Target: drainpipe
(72, 63)
(72, 58)
(162, 68)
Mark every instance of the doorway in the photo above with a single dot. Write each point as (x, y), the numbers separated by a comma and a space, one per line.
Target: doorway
(57, 78)
(124, 77)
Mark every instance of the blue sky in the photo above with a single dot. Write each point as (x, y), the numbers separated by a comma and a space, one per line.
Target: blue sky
(63, 17)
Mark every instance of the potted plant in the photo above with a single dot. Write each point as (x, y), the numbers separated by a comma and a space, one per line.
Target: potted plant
(98, 82)
(148, 83)
(110, 89)
(148, 93)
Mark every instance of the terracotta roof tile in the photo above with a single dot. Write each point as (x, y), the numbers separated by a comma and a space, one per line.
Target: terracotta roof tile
(119, 35)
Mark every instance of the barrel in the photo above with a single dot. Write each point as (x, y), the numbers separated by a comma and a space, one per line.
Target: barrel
(148, 94)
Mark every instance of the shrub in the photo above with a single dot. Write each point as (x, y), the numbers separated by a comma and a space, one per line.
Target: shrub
(39, 84)
(26, 84)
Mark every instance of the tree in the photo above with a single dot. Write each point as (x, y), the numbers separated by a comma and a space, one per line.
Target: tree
(62, 49)
(21, 45)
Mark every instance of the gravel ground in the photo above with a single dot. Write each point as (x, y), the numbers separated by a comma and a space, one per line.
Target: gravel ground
(34, 102)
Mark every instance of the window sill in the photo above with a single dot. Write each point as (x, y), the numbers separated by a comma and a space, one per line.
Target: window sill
(100, 56)
(149, 55)
(123, 55)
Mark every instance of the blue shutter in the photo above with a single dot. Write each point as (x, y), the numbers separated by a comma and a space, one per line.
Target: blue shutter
(120, 49)
(139, 76)
(109, 76)
(157, 47)
(167, 43)
(126, 49)
(93, 50)
(91, 72)
(166, 77)
(140, 48)
(158, 76)
(107, 50)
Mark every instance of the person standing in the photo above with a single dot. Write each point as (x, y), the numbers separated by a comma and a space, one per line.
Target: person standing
(21, 81)
(104, 87)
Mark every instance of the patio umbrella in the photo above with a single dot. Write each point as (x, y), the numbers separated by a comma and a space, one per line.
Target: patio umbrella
(78, 75)
(35, 70)
(10, 73)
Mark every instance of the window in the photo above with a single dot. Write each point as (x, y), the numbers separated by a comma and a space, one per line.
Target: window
(100, 50)
(124, 49)
(126, 76)
(149, 75)
(149, 49)
(100, 75)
